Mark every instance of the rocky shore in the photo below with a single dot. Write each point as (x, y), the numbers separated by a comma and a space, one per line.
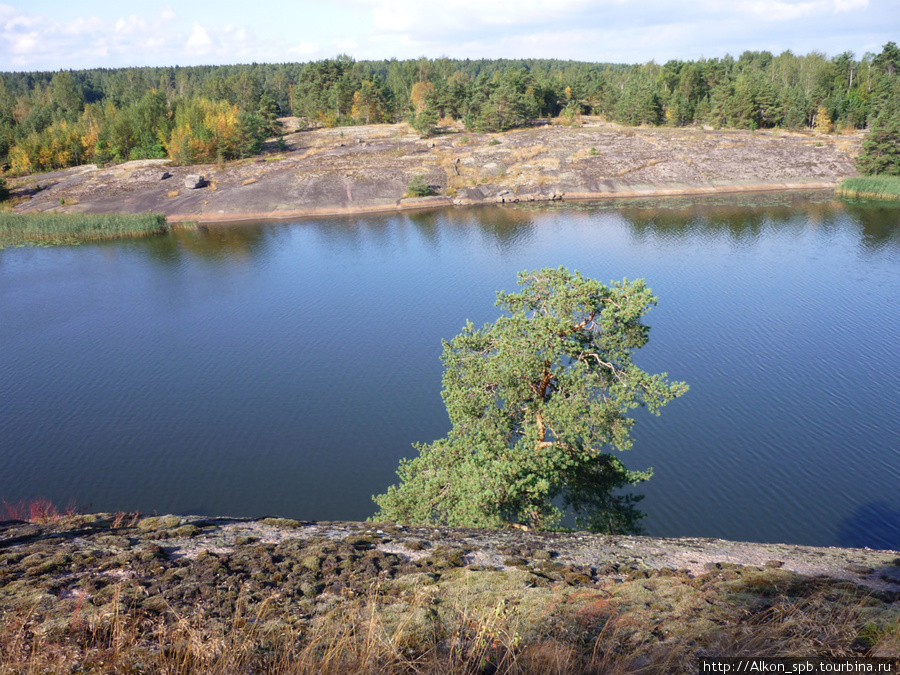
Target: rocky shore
(118, 590)
(369, 168)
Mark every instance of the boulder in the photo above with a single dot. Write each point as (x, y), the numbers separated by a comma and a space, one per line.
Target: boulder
(193, 181)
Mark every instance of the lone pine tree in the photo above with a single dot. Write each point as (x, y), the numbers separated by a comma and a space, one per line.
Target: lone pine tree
(534, 398)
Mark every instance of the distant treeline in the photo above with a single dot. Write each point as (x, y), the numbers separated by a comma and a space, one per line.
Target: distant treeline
(207, 113)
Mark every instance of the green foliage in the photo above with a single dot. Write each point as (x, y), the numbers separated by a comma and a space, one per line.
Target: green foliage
(419, 188)
(425, 122)
(4, 191)
(533, 399)
(571, 112)
(67, 228)
(53, 120)
(881, 150)
(206, 131)
(870, 187)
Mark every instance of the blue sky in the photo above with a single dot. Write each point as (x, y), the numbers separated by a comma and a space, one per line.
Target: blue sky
(53, 35)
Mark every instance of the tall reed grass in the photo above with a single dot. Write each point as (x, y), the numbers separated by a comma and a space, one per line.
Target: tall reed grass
(66, 228)
(870, 187)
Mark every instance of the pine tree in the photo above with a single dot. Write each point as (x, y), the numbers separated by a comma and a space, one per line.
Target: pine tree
(534, 398)
(881, 150)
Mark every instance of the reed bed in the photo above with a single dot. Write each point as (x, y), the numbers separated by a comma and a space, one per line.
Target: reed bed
(68, 228)
(870, 187)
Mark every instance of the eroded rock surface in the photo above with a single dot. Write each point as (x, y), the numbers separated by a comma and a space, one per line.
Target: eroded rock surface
(126, 592)
(368, 169)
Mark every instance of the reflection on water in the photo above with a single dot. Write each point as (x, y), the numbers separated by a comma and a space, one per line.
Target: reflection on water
(285, 368)
(739, 218)
(878, 220)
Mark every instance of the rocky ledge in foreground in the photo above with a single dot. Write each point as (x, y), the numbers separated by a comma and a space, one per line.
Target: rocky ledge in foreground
(118, 590)
(369, 169)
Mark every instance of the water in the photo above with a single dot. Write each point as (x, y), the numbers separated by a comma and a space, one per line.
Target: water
(284, 369)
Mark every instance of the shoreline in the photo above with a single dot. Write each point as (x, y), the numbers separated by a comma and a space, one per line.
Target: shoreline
(440, 201)
(368, 170)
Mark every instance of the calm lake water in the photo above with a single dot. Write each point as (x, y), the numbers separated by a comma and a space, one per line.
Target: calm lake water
(284, 369)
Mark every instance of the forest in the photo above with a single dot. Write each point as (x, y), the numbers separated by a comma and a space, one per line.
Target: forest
(51, 120)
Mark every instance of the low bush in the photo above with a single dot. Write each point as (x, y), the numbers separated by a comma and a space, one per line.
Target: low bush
(419, 188)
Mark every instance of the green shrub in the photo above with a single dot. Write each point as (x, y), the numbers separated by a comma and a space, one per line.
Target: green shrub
(881, 150)
(419, 188)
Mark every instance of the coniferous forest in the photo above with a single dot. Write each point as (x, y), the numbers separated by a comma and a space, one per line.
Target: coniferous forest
(51, 120)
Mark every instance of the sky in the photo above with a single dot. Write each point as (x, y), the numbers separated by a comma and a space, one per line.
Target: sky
(57, 35)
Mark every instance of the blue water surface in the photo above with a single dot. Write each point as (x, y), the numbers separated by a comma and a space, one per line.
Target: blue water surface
(285, 368)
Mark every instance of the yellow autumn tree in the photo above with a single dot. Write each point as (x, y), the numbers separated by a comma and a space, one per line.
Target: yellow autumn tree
(19, 161)
(368, 104)
(823, 120)
(56, 147)
(418, 97)
(207, 131)
(89, 124)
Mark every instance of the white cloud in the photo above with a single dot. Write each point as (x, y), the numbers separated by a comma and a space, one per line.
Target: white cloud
(393, 15)
(849, 5)
(304, 49)
(131, 25)
(82, 26)
(623, 31)
(24, 43)
(401, 16)
(345, 45)
(16, 21)
(784, 10)
(199, 41)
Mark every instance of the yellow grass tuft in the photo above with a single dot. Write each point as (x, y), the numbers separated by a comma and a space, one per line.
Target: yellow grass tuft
(525, 154)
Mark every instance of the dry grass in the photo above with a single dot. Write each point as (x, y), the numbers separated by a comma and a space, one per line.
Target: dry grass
(103, 618)
(446, 630)
(525, 154)
(584, 153)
